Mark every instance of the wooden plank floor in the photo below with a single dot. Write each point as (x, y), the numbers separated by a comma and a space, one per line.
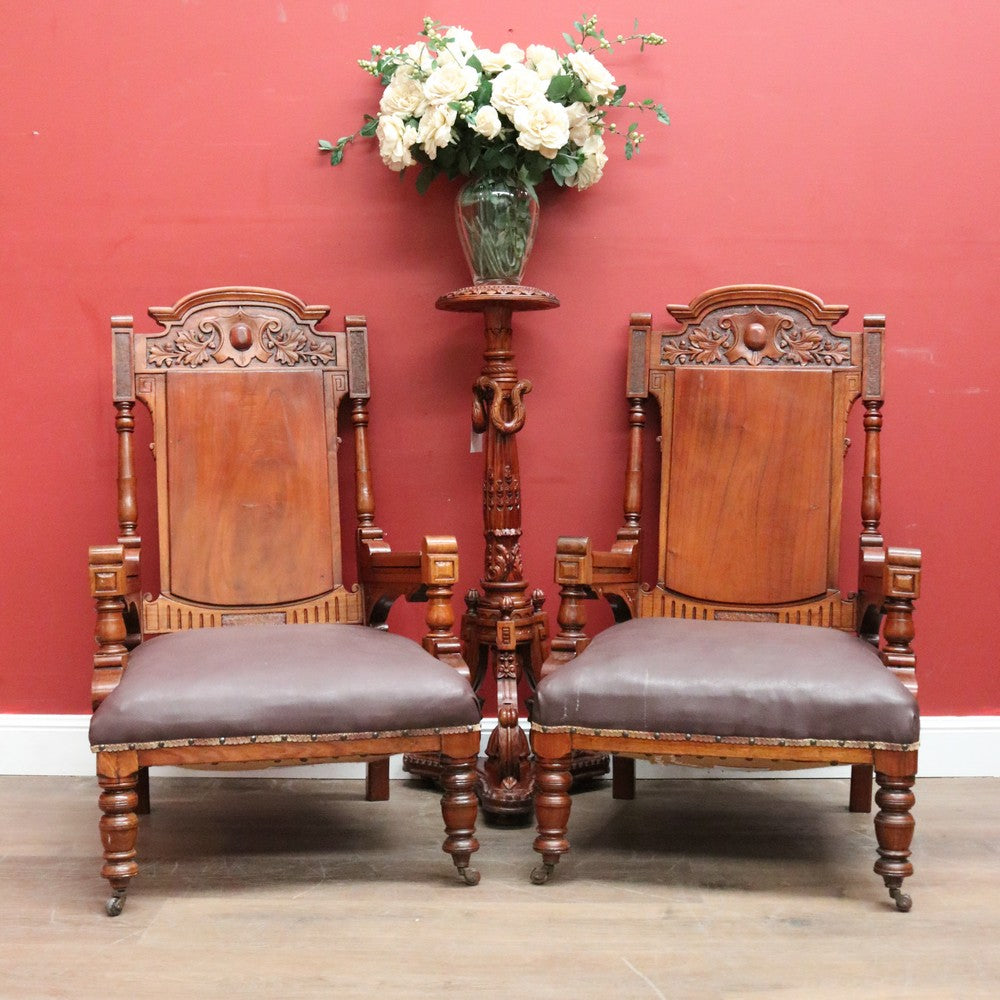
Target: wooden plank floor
(298, 888)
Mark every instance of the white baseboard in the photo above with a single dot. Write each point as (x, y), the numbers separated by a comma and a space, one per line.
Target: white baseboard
(950, 746)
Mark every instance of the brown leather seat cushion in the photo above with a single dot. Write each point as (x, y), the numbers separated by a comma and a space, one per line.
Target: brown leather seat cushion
(730, 679)
(272, 680)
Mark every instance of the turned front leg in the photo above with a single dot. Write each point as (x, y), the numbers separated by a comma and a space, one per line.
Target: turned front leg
(552, 805)
(119, 826)
(895, 775)
(459, 806)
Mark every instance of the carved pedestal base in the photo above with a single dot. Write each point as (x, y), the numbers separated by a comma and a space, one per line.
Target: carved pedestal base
(506, 797)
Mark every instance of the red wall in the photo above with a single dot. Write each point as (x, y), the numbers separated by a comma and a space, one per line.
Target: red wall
(153, 148)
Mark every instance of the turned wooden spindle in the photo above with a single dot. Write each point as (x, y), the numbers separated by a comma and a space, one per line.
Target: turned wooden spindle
(633, 472)
(128, 513)
(871, 482)
(902, 588)
(108, 583)
(872, 340)
(365, 494)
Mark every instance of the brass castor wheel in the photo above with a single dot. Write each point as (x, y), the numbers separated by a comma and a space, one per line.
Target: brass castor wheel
(469, 875)
(115, 904)
(540, 875)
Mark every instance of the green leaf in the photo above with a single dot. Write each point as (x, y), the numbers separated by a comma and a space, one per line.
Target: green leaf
(484, 93)
(629, 149)
(336, 156)
(570, 41)
(368, 129)
(661, 115)
(616, 97)
(447, 158)
(474, 62)
(325, 145)
(424, 179)
(580, 93)
(563, 167)
(559, 87)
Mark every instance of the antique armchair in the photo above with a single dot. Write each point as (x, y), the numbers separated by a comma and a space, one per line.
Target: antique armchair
(744, 653)
(254, 652)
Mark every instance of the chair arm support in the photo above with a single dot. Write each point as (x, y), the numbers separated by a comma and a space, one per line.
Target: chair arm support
(583, 574)
(901, 587)
(427, 575)
(889, 583)
(574, 572)
(110, 582)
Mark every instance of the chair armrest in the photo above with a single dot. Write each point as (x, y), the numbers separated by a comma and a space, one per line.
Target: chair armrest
(889, 583)
(583, 574)
(387, 575)
(574, 572)
(428, 575)
(901, 586)
(109, 586)
(577, 564)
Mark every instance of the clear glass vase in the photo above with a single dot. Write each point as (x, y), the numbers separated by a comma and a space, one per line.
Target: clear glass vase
(496, 217)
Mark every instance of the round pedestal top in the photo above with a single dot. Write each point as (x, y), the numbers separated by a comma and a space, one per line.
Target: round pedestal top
(479, 298)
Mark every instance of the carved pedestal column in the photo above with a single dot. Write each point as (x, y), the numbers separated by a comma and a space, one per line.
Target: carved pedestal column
(504, 627)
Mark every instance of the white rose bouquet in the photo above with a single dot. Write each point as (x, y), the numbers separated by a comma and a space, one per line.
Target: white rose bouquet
(504, 119)
(451, 107)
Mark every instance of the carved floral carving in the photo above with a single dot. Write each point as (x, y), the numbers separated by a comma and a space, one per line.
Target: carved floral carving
(503, 555)
(756, 337)
(242, 338)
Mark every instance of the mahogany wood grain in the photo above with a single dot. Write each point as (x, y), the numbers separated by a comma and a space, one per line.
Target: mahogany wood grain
(249, 488)
(747, 485)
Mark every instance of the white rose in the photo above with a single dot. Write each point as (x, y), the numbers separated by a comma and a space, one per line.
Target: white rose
(493, 62)
(421, 56)
(434, 130)
(544, 61)
(395, 138)
(459, 48)
(542, 126)
(450, 82)
(592, 168)
(593, 74)
(404, 96)
(516, 88)
(580, 124)
(487, 122)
